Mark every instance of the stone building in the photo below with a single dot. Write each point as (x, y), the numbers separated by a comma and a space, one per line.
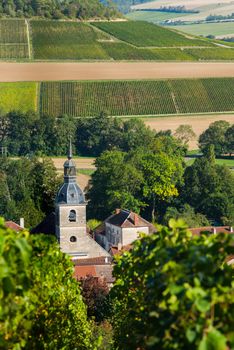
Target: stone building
(121, 229)
(68, 222)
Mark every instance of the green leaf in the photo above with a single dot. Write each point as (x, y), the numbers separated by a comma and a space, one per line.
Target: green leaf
(190, 335)
(214, 340)
(8, 285)
(202, 305)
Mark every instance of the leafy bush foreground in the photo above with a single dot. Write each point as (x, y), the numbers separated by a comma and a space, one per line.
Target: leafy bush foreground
(175, 291)
(40, 302)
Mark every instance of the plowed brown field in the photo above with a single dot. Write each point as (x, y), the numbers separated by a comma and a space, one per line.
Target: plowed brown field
(10, 72)
(198, 123)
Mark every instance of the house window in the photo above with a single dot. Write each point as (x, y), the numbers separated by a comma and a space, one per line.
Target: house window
(72, 216)
(73, 239)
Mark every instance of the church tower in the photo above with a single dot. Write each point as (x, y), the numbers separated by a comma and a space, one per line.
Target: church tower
(70, 217)
(70, 211)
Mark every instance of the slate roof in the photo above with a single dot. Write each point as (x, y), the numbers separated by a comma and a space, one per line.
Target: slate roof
(13, 226)
(125, 218)
(47, 226)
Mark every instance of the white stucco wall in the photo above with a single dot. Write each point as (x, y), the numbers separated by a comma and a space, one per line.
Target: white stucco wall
(129, 235)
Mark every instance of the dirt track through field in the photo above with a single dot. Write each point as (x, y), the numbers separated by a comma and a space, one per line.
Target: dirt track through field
(198, 123)
(10, 72)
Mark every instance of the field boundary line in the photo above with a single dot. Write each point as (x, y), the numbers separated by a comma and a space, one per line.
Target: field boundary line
(28, 38)
(153, 116)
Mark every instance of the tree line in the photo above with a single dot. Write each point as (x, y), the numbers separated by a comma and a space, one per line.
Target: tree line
(136, 168)
(56, 9)
(46, 135)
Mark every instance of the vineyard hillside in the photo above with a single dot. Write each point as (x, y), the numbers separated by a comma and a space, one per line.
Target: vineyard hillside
(67, 40)
(13, 39)
(144, 34)
(126, 98)
(105, 41)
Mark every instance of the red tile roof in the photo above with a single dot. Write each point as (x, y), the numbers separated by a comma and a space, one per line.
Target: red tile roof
(115, 251)
(13, 226)
(98, 271)
(92, 261)
(210, 229)
(84, 271)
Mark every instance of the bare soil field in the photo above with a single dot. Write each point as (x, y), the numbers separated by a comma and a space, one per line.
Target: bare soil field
(81, 163)
(14, 72)
(198, 123)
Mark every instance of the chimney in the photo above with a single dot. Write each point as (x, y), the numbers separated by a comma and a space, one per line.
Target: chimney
(231, 229)
(106, 260)
(120, 246)
(22, 222)
(214, 230)
(136, 220)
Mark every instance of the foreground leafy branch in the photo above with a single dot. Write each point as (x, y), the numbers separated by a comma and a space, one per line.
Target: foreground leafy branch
(175, 291)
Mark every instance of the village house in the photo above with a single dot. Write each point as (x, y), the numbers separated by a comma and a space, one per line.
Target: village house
(121, 229)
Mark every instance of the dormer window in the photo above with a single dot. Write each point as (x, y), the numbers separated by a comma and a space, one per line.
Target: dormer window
(72, 216)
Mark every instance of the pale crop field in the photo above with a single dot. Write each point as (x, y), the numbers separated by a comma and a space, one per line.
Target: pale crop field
(205, 8)
(198, 123)
(221, 29)
(189, 4)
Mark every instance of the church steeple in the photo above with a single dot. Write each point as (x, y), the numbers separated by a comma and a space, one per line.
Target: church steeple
(69, 167)
(70, 192)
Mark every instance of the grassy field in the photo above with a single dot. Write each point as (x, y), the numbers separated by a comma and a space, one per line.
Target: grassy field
(18, 96)
(13, 39)
(204, 8)
(67, 40)
(216, 29)
(123, 98)
(144, 34)
(228, 162)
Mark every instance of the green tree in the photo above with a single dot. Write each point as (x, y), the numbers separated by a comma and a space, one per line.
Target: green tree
(136, 180)
(185, 133)
(113, 185)
(19, 143)
(28, 188)
(41, 304)
(229, 137)
(214, 135)
(65, 129)
(56, 9)
(161, 174)
(209, 189)
(187, 213)
(174, 291)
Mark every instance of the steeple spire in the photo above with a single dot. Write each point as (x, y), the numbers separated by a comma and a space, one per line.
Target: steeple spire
(69, 156)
